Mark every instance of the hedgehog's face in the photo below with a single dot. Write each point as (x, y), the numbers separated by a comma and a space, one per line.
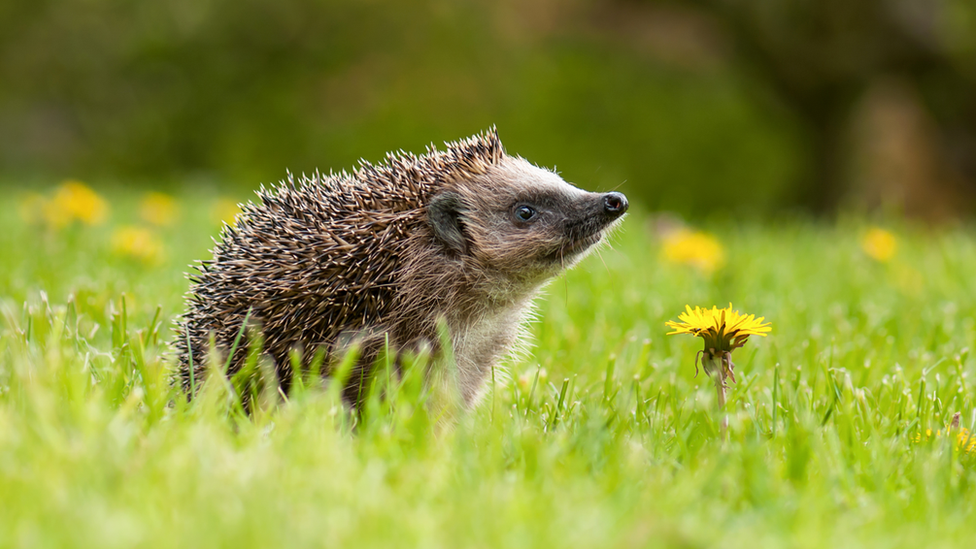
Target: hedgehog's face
(523, 222)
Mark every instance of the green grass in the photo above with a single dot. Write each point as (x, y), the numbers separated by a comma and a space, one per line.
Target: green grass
(603, 437)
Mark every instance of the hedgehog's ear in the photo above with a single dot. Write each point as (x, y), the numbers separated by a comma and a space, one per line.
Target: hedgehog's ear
(444, 214)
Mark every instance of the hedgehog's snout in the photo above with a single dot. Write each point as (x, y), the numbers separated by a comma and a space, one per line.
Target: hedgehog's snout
(614, 205)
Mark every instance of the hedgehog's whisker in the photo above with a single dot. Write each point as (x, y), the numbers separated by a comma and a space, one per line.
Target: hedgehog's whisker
(565, 289)
(598, 254)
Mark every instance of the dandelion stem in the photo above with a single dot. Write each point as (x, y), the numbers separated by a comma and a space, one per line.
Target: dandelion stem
(720, 391)
(714, 367)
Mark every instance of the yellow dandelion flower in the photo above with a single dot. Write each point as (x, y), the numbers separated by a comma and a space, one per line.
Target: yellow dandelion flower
(695, 248)
(879, 244)
(158, 209)
(964, 441)
(723, 331)
(137, 243)
(75, 201)
(225, 210)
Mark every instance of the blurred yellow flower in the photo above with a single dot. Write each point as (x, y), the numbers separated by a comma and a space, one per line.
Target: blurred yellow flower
(75, 201)
(225, 210)
(137, 243)
(965, 442)
(879, 244)
(158, 209)
(696, 248)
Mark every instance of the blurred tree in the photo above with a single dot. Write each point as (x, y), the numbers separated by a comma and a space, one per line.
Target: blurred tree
(686, 103)
(818, 57)
(240, 90)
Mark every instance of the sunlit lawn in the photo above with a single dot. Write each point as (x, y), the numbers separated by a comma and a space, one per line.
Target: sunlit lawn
(602, 437)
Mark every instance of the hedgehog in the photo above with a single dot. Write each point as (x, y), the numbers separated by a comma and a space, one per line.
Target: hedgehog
(387, 256)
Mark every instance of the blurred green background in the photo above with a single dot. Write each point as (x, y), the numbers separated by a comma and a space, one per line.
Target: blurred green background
(732, 107)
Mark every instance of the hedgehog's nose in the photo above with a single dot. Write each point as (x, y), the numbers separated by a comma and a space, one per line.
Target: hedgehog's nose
(614, 204)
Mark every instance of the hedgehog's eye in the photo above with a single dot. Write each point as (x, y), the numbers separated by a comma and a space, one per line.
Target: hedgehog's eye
(525, 213)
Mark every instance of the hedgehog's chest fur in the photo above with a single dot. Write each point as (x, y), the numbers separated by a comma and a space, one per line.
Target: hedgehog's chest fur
(479, 345)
